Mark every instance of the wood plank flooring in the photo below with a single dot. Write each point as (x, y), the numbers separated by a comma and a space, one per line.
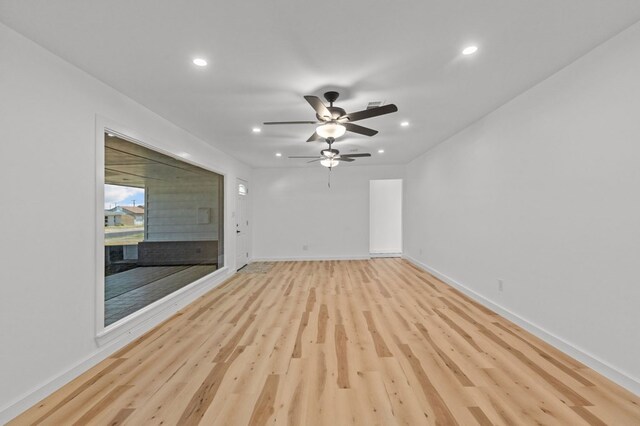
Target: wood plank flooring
(337, 343)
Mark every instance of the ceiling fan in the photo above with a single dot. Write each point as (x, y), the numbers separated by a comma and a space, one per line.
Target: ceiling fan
(335, 121)
(331, 157)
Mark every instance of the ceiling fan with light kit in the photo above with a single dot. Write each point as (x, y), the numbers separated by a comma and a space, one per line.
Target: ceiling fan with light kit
(334, 121)
(331, 157)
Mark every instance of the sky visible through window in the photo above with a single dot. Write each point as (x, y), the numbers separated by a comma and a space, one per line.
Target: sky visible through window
(115, 195)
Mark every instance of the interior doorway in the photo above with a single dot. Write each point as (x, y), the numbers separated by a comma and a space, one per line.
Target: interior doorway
(242, 224)
(385, 217)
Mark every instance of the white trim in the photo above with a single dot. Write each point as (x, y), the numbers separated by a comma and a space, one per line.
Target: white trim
(623, 379)
(307, 258)
(245, 198)
(386, 254)
(101, 125)
(125, 325)
(146, 313)
(152, 319)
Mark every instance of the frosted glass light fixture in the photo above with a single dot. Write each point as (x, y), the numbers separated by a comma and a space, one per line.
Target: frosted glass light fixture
(331, 130)
(469, 50)
(329, 162)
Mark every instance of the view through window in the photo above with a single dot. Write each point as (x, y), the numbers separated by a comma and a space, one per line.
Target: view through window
(163, 225)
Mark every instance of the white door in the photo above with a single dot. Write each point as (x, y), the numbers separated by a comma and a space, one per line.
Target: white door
(385, 219)
(242, 224)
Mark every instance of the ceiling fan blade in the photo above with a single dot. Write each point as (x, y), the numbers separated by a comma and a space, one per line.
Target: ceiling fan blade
(320, 108)
(314, 137)
(300, 156)
(360, 129)
(268, 123)
(346, 159)
(313, 161)
(364, 154)
(373, 112)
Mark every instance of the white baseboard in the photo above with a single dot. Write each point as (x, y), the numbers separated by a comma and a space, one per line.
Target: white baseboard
(386, 254)
(29, 399)
(623, 379)
(307, 258)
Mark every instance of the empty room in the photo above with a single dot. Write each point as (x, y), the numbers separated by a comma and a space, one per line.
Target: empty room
(283, 212)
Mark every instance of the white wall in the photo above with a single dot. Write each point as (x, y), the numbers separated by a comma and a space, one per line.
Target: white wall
(385, 216)
(48, 150)
(293, 208)
(544, 193)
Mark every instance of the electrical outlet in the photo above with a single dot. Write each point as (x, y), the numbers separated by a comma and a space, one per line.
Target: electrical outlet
(305, 247)
(500, 285)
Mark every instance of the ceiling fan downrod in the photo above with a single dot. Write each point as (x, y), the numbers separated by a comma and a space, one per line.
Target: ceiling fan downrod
(331, 97)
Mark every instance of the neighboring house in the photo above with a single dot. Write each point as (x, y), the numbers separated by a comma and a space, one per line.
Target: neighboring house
(112, 218)
(134, 212)
(124, 215)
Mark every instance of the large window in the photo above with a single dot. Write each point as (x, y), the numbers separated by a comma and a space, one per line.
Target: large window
(163, 226)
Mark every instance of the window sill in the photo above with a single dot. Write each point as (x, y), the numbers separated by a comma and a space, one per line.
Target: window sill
(169, 304)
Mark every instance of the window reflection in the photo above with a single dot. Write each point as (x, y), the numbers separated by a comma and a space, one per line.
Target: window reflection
(163, 224)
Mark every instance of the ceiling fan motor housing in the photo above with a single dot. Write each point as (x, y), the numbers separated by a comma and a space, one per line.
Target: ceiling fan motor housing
(329, 153)
(336, 113)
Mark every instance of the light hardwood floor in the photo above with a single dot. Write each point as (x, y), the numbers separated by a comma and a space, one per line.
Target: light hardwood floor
(349, 342)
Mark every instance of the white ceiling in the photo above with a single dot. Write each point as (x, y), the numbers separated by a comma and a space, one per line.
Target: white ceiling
(265, 55)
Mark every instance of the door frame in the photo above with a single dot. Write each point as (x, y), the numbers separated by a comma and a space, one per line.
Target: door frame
(246, 235)
(388, 253)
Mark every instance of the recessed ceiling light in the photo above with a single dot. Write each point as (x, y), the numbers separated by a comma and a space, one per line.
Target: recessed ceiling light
(381, 151)
(200, 62)
(256, 130)
(470, 50)
(404, 123)
(278, 154)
